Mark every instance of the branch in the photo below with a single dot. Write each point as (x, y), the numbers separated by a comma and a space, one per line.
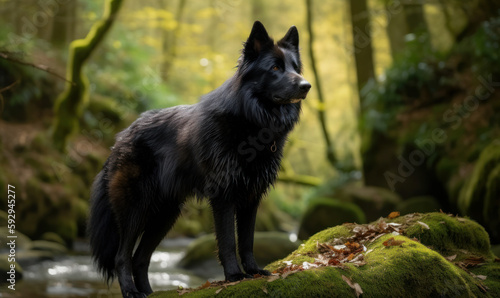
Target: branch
(3, 90)
(41, 67)
(303, 180)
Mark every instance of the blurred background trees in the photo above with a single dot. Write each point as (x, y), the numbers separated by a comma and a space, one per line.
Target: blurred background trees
(404, 102)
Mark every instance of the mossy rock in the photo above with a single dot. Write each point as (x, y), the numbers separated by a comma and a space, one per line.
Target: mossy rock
(268, 247)
(23, 242)
(408, 269)
(374, 201)
(53, 237)
(418, 204)
(48, 246)
(491, 210)
(472, 200)
(322, 213)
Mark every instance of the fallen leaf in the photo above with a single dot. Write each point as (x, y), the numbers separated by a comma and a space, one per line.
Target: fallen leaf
(355, 286)
(461, 219)
(393, 215)
(264, 289)
(473, 261)
(183, 291)
(273, 278)
(392, 242)
(481, 277)
(257, 275)
(219, 290)
(205, 285)
(423, 225)
(451, 258)
(350, 257)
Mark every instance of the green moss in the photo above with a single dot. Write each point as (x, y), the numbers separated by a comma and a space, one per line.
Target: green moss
(471, 202)
(409, 269)
(325, 212)
(302, 254)
(491, 210)
(449, 235)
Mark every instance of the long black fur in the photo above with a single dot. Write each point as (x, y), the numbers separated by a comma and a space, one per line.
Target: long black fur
(226, 148)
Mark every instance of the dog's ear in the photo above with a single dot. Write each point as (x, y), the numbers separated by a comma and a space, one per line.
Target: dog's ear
(257, 41)
(291, 39)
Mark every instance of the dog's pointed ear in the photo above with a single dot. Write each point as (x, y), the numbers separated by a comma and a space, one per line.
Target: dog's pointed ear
(291, 38)
(257, 41)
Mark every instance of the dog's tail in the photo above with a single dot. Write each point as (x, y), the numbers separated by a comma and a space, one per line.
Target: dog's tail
(102, 229)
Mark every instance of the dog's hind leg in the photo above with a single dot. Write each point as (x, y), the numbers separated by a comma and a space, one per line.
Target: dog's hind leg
(245, 221)
(156, 228)
(130, 231)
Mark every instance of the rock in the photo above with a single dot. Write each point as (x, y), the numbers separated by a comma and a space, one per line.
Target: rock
(31, 257)
(479, 197)
(408, 268)
(6, 268)
(374, 201)
(22, 241)
(268, 246)
(53, 237)
(418, 204)
(322, 213)
(48, 246)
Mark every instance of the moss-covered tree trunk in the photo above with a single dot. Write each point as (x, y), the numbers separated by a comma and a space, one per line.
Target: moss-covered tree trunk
(70, 104)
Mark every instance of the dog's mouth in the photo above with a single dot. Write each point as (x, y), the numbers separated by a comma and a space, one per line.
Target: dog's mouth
(287, 101)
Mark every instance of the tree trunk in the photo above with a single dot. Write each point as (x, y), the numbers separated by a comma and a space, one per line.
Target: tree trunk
(70, 104)
(396, 26)
(365, 70)
(64, 23)
(415, 18)
(330, 155)
(170, 41)
(363, 50)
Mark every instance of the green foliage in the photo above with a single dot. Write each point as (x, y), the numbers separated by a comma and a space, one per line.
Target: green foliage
(484, 46)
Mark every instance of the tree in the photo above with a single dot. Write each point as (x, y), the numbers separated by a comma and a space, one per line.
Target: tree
(170, 40)
(330, 154)
(70, 104)
(363, 50)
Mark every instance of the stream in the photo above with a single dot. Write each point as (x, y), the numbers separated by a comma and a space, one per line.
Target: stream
(75, 275)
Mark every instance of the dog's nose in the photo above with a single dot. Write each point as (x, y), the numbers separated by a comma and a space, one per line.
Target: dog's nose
(304, 86)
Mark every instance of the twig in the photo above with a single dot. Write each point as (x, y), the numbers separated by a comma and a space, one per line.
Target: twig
(41, 67)
(3, 90)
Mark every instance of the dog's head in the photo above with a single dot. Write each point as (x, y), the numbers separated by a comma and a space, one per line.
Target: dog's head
(273, 70)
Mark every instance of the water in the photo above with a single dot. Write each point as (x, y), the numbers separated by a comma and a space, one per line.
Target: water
(75, 276)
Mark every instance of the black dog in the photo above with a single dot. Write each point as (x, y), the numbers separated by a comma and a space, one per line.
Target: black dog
(226, 148)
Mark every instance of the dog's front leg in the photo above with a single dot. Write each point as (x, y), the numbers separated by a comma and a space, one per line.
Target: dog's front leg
(245, 220)
(225, 233)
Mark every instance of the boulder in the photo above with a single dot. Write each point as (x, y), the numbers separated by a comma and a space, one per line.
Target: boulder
(374, 201)
(431, 255)
(418, 204)
(322, 213)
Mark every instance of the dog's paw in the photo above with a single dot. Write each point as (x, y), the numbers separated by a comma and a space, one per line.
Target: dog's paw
(237, 276)
(136, 295)
(259, 272)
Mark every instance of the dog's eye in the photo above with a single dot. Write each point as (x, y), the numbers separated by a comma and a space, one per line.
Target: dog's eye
(275, 68)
